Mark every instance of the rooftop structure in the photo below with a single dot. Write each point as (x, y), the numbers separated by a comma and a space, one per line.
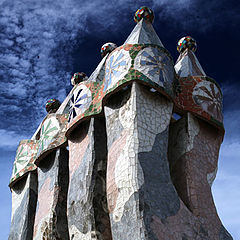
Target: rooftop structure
(112, 162)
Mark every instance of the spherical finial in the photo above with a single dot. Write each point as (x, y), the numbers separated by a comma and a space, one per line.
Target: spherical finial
(107, 48)
(186, 42)
(52, 105)
(144, 13)
(78, 77)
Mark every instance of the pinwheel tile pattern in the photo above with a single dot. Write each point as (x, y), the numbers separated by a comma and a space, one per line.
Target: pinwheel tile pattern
(79, 102)
(208, 96)
(22, 158)
(117, 66)
(155, 64)
(50, 129)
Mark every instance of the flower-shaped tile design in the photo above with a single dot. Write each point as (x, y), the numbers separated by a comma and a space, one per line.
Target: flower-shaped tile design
(117, 66)
(156, 65)
(79, 102)
(208, 96)
(22, 158)
(49, 130)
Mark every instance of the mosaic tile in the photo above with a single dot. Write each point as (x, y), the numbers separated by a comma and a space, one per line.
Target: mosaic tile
(52, 197)
(211, 177)
(194, 170)
(125, 176)
(24, 160)
(24, 199)
(52, 105)
(187, 43)
(146, 173)
(201, 96)
(107, 48)
(188, 65)
(78, 77)
(154, 64)
(86, 203)
(143, 33)
(120, 71)
(99, 72)
(65, 106)
(195, 92)
(141, 58)
(52, 134)
(144, 13)
(80, 101)
(117, 66)
(209, 97)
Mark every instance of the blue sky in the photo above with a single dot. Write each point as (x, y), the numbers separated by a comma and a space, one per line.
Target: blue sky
(42, 43)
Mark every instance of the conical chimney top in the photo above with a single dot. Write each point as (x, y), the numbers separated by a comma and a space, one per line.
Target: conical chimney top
(187, 63)
(143, 33)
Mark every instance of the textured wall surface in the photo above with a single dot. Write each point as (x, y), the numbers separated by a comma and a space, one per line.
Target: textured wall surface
(137, 190)
(87, 208)
(51, 219)
(132, 171)
(24, 199)
(193, 156)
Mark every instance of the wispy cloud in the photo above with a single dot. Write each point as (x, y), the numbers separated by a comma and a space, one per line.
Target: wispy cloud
(197, 15)
(226, 196)
(9, 140)
(38, 39)
(227, 184)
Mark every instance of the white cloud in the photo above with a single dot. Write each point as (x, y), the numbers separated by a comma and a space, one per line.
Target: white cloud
(33, 30)
(196, 15)
(17, 89)
(226, 196)
(226, 187)
(10, 139)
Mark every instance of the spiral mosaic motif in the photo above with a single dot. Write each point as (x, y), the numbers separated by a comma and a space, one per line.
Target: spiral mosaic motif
(208, 96)
(155, 64)
(79, 102)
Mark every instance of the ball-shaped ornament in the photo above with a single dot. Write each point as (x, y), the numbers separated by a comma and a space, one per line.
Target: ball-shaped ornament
(107, 48)
(78, 77)
(52, 105)
(186, 43)
(144, 13)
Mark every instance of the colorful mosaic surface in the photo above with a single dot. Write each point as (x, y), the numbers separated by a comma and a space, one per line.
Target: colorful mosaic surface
(24, 160)
(201, 96)
(148, 63)
(193, 156)
(188, 65)
(78, 77)
(155, 64)
(186, 43)
(52, 133)
(24, 199)
(80, 101)
(107, 48)
(144, 13)
(137, 134)
(143, 33)
(117, 66)
(52, 105)
(99, 73)
(51, 199)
